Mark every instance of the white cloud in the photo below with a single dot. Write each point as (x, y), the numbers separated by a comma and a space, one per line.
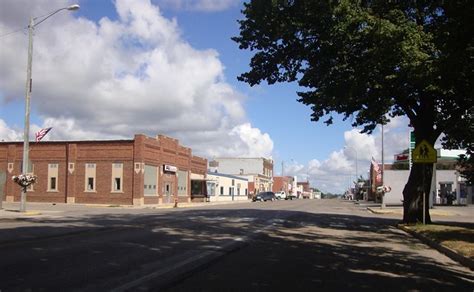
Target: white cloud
(199, 5)
(8, 134)
(113, 79)
(337, 172)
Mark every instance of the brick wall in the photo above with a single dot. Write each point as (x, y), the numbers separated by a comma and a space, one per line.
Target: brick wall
(72, 158)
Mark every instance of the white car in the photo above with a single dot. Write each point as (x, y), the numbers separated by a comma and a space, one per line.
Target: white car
(280, 195)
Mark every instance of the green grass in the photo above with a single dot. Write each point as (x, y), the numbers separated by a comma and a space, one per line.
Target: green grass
(460, 239)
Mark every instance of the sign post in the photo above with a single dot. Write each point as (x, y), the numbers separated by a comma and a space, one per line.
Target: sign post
(424, 153)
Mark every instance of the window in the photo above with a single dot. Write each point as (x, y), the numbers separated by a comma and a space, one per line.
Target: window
(238, 191)
(150, 180)
(90, 177)
(230, 191)
(117, 177)
(52, 183)
(117, 184)
(53, 177)
(222, 191)
(182, 183)
(90, 183)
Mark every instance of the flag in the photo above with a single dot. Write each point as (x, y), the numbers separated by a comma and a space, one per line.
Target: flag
(377, 169)
(375, 165)
(41, 133)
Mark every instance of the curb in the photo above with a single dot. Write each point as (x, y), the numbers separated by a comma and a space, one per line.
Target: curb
(385, 211)
(465, 261)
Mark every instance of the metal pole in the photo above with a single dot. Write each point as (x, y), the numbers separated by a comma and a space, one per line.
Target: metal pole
(424, 199)
(28, 89)
(383, 166)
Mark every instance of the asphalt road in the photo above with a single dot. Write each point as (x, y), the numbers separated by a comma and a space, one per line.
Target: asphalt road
(272, 246)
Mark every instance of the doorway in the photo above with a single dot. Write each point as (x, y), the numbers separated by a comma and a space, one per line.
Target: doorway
(168, 192)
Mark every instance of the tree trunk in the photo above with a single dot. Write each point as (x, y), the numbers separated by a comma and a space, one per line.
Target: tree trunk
(419, 183)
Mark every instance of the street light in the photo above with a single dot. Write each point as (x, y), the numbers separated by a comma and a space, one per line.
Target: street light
(28, 89)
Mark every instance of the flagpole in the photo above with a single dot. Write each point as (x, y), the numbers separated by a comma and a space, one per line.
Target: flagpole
(26, 134)
(383, 166)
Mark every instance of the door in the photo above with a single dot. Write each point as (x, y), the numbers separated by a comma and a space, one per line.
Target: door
(168, 193)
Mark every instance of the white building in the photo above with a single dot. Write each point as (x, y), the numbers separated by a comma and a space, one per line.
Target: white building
(258, 171)
(443, 183)
(225, 187)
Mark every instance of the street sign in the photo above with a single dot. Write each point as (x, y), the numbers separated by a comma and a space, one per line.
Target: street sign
(424, 153)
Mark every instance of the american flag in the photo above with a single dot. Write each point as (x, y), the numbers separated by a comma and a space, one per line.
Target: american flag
(377, 169)
(41, 133)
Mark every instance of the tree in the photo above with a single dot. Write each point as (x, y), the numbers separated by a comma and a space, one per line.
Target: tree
(369, 60)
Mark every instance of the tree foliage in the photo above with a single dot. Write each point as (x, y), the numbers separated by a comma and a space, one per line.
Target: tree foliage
(370, 61)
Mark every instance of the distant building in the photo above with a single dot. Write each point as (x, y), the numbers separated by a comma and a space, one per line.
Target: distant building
(282, 183)
(446, 185)
(225, 187)
(258, 171)
(143, 170)
(304, 190)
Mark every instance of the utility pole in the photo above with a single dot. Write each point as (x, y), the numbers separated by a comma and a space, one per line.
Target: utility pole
(383, 166)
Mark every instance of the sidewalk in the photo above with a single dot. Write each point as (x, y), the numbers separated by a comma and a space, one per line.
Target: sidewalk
(444, 217)
(464, 213)
(51, 220)
(10, 211)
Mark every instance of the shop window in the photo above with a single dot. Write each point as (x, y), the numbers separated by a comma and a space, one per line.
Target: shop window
(151, 180)
(182, 183)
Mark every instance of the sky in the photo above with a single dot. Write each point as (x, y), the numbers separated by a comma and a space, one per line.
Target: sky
(116, 68)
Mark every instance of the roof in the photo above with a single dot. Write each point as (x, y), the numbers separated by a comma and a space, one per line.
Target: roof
(226, 175)
(67, 141)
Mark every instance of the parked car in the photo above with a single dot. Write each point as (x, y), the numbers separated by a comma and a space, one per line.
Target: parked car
(291, 196)
(264, 196)
(280, 195)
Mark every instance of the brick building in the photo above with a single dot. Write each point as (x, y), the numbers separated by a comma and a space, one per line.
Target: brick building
(282, 183)
(141, 171)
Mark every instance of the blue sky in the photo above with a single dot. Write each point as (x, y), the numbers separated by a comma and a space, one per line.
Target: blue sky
(173, 67)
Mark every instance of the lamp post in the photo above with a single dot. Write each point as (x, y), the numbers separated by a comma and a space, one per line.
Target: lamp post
(28, 89)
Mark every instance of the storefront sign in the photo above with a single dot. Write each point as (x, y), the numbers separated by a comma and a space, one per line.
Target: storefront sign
(169, 168)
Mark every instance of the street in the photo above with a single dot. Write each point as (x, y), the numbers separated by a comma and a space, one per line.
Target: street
(262, 246)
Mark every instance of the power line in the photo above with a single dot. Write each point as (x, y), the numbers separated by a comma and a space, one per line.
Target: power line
(12, 32)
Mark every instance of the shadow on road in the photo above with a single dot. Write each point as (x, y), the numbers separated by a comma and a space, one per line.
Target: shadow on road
(300, 251)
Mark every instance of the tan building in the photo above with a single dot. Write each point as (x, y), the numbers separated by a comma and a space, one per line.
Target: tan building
(225, 187)
(258, 171)
(141, 171)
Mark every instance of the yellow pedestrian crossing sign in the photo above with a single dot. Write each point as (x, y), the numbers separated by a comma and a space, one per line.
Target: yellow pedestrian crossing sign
(424, 153)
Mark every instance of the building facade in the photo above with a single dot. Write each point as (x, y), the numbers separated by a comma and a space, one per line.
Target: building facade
(258, 171)
(141, 171)
(225, 187)
(282, 183)
(446, 183)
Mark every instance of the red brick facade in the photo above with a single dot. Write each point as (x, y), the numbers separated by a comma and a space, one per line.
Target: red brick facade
(73, 157)
(282, 183)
